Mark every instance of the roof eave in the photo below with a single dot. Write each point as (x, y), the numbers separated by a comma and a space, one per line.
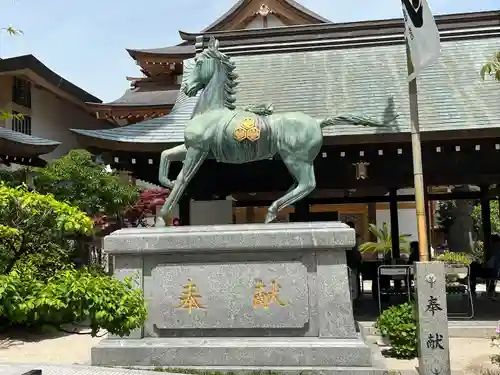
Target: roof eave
(20, 149)
(138, 54)
(130, 145)
(108, 106)
(31, 63)
(307, 12)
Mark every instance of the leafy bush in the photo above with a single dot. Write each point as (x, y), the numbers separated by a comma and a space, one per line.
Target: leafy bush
(149, 200)
(398, 324)
(36, 230)
(71, 296)
(454, 258)
(10, 241)
(39, 286)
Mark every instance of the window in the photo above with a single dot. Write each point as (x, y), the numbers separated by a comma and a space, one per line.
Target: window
(21, 125)
(21, 92)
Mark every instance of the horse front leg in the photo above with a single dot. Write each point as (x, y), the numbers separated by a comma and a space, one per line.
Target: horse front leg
(177, 153)
(193, 161)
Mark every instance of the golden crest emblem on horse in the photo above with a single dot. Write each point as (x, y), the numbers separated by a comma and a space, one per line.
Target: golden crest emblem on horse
(247, 130)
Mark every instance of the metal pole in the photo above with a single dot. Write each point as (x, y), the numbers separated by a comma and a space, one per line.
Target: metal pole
(418, 173)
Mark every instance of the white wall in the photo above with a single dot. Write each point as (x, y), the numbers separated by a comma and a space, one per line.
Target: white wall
(208, 212)
(52, 117)
(407, 221)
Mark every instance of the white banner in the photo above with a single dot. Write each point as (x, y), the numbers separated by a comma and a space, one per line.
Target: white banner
(422, 35)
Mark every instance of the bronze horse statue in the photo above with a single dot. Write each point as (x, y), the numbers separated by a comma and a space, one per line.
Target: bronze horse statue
(219, 130)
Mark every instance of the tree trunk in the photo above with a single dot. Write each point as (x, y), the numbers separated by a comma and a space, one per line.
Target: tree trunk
(460, 236)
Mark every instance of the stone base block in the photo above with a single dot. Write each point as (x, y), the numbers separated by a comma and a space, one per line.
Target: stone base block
(298, 370)
(233, 353)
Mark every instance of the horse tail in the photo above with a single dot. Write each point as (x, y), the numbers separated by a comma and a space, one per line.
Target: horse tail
(354, 120)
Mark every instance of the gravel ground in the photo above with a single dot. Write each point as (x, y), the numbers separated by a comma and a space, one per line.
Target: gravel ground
(467, 354)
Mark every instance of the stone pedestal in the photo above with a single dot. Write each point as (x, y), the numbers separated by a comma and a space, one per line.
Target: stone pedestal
(433, 343)
(240, 297)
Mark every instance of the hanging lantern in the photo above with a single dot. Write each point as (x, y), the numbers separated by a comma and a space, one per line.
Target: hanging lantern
(361, 170)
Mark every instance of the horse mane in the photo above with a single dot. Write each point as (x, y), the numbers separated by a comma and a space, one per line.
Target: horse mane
(264, 109)
(230, 85)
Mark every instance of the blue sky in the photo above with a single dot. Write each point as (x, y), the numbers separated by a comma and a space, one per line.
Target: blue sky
(85, 41)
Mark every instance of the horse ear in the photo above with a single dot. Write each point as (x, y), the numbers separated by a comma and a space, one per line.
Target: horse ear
(213, 43)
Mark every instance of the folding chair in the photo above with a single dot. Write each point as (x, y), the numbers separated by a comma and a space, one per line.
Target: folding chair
(401, 272)
(460, 289)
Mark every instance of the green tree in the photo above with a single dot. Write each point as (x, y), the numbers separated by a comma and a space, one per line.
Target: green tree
(492, 68)
(383, 244)
(478, 218)
(77, 179)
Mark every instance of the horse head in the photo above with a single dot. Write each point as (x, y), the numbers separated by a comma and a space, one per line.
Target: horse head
(212, 64)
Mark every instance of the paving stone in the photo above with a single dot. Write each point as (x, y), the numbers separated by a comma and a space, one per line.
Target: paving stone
(18, 369)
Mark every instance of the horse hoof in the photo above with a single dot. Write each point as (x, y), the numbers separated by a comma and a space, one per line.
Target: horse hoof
(270, 218)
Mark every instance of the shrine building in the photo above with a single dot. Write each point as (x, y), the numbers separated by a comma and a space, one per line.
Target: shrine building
(289, 56)
(42, 106)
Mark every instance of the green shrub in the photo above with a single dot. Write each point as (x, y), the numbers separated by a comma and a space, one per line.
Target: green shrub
(398, 324)
(36, 230)
(38, 284)
(454, 258)
(71, 296)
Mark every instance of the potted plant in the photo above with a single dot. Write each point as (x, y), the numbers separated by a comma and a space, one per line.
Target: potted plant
(453, 284)
(383, 245)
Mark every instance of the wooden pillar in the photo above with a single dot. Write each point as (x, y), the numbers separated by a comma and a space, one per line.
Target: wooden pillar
(486, 221)
(302, 209)
(393, 209)
(185, 210)
(372, 219)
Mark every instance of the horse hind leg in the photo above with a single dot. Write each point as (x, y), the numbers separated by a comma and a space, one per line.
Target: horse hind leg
(303, 172)
(177, 153)
(194, 159)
